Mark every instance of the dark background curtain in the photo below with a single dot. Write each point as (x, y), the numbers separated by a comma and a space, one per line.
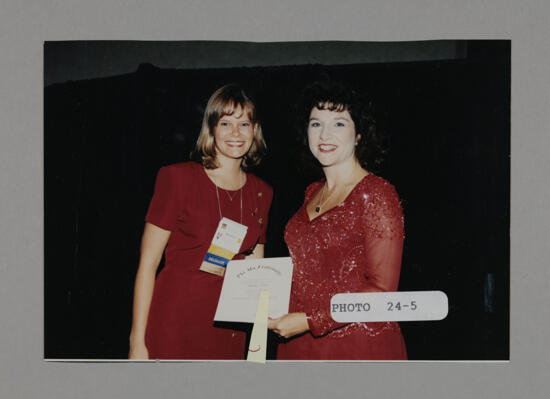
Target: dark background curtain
(449, 123)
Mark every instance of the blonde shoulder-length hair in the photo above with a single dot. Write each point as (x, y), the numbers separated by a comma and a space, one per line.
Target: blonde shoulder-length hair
(223, 102)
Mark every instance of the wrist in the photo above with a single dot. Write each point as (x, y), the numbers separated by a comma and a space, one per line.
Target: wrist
(309, 321)
(137, 340)
(306, 319)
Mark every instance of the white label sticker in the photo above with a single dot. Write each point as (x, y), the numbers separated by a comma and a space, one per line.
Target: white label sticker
(389, 306)
(226, 243)
(229, 235)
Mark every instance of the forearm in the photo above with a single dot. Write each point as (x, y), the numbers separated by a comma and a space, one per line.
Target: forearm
(152, 247)
(143, 293)
(318, 312)
(373, 285)
(257, 253)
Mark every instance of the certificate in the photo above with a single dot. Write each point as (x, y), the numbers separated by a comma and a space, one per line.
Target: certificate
(243, 281)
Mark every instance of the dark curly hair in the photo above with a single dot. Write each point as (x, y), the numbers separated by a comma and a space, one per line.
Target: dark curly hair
(326, 94)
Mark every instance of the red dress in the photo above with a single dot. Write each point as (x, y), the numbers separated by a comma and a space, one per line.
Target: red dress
(181, 316)
(353, 247)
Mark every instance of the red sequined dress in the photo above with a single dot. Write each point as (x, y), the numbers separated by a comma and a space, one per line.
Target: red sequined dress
(181, 316)
(353, 247)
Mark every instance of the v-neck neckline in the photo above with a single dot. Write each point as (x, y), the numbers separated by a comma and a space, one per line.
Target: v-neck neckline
(335, 206)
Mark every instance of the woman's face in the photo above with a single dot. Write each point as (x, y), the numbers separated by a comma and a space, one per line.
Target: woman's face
(233, 134)
(331, 136)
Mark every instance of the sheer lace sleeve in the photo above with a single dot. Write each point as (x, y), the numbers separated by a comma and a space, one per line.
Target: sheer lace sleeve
(320, 321)
(383, 225)
(377, 260)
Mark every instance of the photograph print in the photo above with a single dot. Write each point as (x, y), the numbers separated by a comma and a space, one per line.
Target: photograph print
(372, 166)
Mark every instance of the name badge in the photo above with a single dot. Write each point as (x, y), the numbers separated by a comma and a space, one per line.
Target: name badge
(226, 243)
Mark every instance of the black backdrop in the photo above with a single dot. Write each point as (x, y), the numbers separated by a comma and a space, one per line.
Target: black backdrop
(449, 159)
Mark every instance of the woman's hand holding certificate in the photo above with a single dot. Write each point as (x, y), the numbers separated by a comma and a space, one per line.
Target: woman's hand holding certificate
(289, 325)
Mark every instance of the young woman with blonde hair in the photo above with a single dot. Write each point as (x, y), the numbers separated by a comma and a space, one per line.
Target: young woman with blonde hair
(173, 315)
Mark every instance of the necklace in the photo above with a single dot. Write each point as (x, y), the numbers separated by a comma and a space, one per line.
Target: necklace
(346, 188)
(240, 190)
(229, 195)
(319, 206)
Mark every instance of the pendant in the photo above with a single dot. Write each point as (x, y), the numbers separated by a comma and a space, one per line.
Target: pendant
(317, 209)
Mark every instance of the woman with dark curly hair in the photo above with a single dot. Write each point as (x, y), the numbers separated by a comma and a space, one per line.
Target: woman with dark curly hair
(347, 236)
(173, 315)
